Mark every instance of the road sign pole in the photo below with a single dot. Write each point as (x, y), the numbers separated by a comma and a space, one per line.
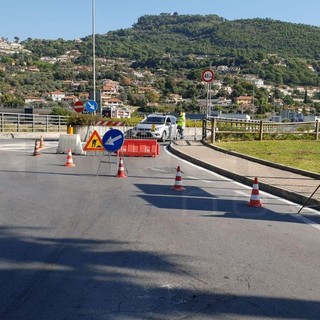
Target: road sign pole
(112, 142)
(209, 103)
(208, 100)
(208, 76)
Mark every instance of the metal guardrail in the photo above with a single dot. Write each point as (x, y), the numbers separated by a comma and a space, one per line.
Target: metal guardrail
(222, 127)
(21, 122)
(212, 127)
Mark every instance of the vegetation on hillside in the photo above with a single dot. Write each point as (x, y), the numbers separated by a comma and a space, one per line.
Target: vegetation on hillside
(175, 48)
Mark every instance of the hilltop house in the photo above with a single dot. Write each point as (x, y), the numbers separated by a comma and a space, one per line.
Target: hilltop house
(57, 95)
(244, 100)
(33, 100)
(111, 102)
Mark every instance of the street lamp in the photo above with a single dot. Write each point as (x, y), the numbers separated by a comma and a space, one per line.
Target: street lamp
(94, 48)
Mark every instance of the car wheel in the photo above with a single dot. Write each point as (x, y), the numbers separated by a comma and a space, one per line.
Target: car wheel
(164, 136)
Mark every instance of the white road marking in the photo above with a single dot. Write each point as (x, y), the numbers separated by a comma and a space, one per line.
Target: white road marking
(26, 146)
(270, 196)
(306, 220)
(241, 193)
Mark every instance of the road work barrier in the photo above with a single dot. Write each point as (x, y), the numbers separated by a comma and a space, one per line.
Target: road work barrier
(140, 148)
(109, 123)
(71, 141)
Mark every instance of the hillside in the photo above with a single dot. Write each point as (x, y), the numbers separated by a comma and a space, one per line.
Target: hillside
(201, 35)
(213, 35)
(174, 49)
(213, 40)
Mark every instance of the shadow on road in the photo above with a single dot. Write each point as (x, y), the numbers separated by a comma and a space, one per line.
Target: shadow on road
(76, 278)
(195, 198)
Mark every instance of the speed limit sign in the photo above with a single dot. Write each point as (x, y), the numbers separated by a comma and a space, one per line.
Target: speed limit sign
(207, 75)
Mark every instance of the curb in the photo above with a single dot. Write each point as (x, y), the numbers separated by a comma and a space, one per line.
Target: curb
(30, 135)
(264, 162)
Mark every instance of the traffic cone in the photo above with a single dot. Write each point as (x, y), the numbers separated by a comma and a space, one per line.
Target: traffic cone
(69, 162)
(255, 198)
(121, 173)
(178, 181)
(41, 142)
(36, 151)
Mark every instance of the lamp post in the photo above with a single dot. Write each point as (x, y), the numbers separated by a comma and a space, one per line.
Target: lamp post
(94, 48)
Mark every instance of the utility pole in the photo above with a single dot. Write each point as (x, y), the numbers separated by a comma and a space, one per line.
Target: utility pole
(94, 49)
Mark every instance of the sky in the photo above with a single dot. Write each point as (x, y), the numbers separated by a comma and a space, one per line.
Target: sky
(72, 19)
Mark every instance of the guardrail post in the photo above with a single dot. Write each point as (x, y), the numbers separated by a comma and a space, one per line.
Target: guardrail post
(317, 129)
(47, 123)
(204, 129)
(261, 131)
(213, 130)
(18, 122)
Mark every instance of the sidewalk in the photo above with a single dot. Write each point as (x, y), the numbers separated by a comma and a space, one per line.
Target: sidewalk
(30, 135)
(294, 185)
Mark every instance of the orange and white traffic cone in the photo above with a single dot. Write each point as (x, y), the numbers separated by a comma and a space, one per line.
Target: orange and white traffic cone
(41, 142)
(36, 151)
(255, 197)
(178, 181)
(121, 173)
(69, 162)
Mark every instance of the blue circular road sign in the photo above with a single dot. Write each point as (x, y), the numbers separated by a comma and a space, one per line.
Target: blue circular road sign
(91, 106)
(113, 140)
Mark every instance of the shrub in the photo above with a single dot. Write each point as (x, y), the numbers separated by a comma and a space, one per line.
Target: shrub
(89, 120)
(83, 119)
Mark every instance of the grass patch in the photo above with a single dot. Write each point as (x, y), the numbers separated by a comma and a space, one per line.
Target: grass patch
(301, 154)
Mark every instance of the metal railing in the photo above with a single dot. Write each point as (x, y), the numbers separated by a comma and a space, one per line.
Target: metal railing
(21, 122)
(220, 128)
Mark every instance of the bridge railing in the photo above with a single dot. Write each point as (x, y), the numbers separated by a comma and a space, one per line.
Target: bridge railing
(21, 122)
(221, 128)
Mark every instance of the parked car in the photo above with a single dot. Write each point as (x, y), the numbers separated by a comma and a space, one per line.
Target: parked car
(156, 126)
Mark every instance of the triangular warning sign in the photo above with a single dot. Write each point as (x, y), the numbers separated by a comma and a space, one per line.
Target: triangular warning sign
(94, 143)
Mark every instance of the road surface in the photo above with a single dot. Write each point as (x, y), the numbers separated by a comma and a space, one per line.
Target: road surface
(75, 245)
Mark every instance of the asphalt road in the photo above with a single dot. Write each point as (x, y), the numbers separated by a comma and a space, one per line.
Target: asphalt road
(75, 245)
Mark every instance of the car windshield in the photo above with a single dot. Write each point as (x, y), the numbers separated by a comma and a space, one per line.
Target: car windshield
(151, 120)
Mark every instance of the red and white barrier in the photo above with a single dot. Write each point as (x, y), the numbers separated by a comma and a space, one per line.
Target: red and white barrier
(109, 123)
